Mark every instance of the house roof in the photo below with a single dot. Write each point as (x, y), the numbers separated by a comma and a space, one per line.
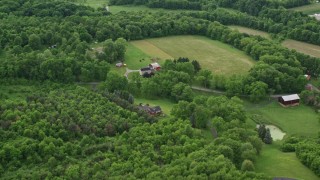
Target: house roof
(290, 97)
(145, 69)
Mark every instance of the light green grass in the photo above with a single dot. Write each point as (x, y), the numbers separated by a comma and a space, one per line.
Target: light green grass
(275, 163)
(135, 58)
(165, 104)
(306, 48)
(251, 31)
(216, 56)
(308, 9)
(299, 120)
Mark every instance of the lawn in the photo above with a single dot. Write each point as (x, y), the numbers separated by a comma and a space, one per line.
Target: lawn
(216, 56)
(165, 104)
(306, 48)
(135, 58)
(308, 9)
(300, 120)
(275, 163)
(250, 31)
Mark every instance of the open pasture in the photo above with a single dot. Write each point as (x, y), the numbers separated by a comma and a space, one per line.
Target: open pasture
(306, 48)
(216, 56)
(250, 31)
(308, 9)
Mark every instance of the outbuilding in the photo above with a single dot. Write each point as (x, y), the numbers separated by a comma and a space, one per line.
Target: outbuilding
(289, 100)
(155, 66)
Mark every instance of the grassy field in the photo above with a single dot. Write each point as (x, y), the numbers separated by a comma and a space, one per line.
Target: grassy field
(308, 9)
(250, 31)
(220, 58)
(275, 163)
(300, 120)
(306, 48)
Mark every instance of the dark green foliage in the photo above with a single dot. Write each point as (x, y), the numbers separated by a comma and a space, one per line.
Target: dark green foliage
(70, 132)
(262, 131)
(267, 138)
(264, 134)
(247, 165)
(289, 145)
(308, 151)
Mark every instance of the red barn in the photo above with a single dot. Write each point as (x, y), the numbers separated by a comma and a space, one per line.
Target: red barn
(289, 100)
(155, 66)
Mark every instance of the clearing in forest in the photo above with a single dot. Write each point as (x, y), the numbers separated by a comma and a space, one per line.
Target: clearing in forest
(306, 48)
(308, 9)
(299, 120)
(276, 163)
(216, 56)
(251, 31)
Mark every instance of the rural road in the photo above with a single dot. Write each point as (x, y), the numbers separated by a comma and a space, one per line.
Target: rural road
(129, 71)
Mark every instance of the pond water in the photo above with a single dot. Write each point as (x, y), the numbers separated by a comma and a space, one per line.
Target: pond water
(275, 132)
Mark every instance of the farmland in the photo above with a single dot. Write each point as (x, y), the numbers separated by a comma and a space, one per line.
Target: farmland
(306, 48)
(213, 55)
(250, 31)
(308, 9)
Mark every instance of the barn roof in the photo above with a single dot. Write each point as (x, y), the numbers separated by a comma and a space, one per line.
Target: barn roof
(290, 97)
(155, 65)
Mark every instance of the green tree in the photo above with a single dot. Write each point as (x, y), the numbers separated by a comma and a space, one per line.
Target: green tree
(34, 42)
(114, 81)
(204, 77)
(247, 165)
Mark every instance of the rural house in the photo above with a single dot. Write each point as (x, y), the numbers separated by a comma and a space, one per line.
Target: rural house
(156, 110)
(289, 100)
(146, 70)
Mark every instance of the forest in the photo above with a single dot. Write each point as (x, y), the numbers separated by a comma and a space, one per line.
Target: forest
(52, 127)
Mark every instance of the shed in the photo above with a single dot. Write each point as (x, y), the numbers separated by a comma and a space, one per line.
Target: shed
(289, 100)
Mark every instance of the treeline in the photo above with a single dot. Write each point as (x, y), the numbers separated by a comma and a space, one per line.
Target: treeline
(308, 152)
(279, 68)
(44, 9)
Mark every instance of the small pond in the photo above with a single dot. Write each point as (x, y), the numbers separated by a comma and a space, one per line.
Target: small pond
(275, 132)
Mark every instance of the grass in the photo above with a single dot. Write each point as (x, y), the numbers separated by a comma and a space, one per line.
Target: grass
(135, 58)
(300, 120)
(216, 56)
(308, 9)
(117, 9)
(251, 31)
(306, 48)
(275, 163)
(165, 104)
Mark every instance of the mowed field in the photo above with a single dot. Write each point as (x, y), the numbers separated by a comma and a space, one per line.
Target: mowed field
(299, 120)
(306, 48)
(250, 31)
(308, 9)
(218, 57)
(276, 163)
